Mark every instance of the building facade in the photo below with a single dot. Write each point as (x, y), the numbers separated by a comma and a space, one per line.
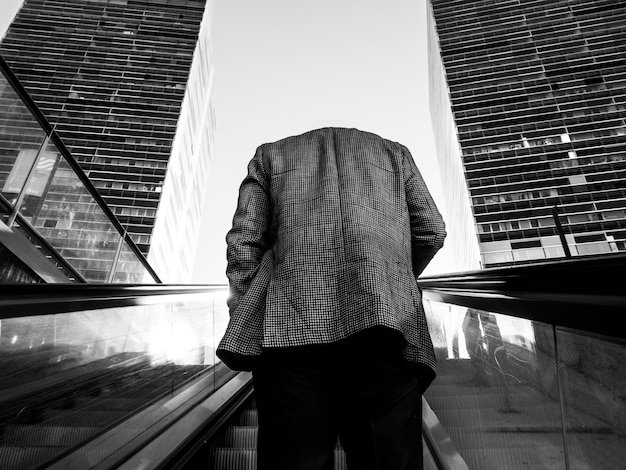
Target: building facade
(538, 98)
(127, 85)
(461, 238)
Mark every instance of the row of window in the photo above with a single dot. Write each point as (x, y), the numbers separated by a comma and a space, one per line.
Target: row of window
(135, 211)
(453, 16)
(537, 163)
(159, 129)
(566, 185)
(554, 160)
(532, 133)
(575, 182)
(79, 108)
(516, 225)
(616, 214)
(140, 238)
(516, 123)
(524, 255)
(127, 116)
(574, 137)
(520, 114)
(153, 10)
(515, 144)
(118, 60)
(120, 50)
(87, 153)
(533, 98)
(87, 136)
(530, 66)
(127, 173)
(146, 187)
(540, 35)
(566, 84)
(509, 197)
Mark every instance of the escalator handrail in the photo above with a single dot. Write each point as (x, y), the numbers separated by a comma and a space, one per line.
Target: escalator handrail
(175, 445)
(563, 292)
(439, 444)
(22, 300)
(581, 293)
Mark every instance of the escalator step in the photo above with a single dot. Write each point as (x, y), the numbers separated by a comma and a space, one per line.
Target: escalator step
(340, 460)
(241, 437)
(44, 436)
(236, 448)
(233, 459)
(248, 417)
(245, 459)
(245, 437)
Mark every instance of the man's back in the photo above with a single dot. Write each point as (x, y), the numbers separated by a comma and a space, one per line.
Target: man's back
(349, 224)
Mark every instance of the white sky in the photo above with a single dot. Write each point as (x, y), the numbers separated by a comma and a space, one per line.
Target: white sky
(283, 67)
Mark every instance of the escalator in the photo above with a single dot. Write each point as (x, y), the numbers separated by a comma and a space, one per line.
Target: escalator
(43, 420)
(236, 446)
(532, 368)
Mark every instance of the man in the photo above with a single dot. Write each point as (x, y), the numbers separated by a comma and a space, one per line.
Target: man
(331, 230)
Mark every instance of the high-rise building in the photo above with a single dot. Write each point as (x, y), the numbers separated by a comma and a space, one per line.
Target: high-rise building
(538, 98)
(128, 85)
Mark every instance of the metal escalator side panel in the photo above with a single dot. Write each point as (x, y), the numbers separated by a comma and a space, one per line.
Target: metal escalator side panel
(439, 450)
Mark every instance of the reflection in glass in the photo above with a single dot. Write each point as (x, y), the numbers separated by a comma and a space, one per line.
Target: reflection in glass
(129, 270)
(517, 394)
(71, 220)
(69, 377)
(593, 377)
(487, 394)
(20, 139)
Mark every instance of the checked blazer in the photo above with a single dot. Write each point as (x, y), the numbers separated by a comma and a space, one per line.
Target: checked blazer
(331, 230)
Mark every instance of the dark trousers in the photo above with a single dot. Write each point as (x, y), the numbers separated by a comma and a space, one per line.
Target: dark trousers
(360, 390)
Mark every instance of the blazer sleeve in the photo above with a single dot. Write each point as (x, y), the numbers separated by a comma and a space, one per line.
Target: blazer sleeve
(249, 237)
(427, 226)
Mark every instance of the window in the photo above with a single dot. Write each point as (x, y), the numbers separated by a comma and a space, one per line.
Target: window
(596, 237)
(526, 244)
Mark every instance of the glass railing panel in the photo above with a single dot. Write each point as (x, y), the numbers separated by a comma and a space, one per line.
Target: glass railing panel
(592, 371)
(71, 377)
(20, 138)
(73, 222)
(35, 201)
(494, 390)
(129, 269)
(54, 197)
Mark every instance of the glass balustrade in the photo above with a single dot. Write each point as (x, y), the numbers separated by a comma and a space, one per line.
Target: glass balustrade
(45, 193)
(516, 394)
(105, 379)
